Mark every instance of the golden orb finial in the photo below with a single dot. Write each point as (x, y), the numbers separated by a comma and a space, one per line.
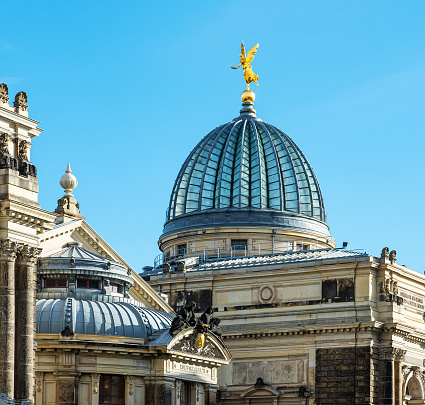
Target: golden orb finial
(248, 96)
(245, 61)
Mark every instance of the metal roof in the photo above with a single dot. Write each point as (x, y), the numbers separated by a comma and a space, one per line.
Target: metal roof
(75, 250)
(99, 318)
(290, 257)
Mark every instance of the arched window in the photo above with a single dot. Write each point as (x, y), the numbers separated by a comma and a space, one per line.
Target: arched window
(111, 390)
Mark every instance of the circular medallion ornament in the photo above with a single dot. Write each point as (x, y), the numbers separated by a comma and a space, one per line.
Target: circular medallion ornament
(266, 293)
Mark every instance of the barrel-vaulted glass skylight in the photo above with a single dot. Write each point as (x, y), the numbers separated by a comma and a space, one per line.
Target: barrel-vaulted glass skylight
(246, 164)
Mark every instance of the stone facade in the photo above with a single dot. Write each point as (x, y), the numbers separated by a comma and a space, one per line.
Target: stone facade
(69, 371)
(347, 327)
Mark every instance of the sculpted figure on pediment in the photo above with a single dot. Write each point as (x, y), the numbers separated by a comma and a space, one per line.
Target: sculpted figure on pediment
(21, 101)
(393, 257)
(184, 319)
(4, 93)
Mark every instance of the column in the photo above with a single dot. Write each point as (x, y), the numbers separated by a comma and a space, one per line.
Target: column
(25, 275)
(7, 316)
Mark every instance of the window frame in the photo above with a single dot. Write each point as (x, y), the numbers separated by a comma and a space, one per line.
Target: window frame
(88, 281)
(56, 283)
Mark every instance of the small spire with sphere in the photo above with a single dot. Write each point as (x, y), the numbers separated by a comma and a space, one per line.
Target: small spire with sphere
(68, 181)
(68, 207)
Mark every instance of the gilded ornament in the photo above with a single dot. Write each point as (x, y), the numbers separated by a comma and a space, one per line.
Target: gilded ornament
(200, 341)
(245, 61)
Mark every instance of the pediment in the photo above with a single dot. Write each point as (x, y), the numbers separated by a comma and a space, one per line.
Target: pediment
(213, 348)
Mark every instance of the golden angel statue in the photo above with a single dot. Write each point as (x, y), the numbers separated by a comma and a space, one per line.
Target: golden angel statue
(246, 59)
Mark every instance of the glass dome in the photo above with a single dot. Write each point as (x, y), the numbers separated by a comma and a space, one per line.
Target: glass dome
(247, 165)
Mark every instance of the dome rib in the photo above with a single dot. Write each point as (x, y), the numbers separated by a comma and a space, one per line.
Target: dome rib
(213, 146)
(254, 167)
(226, 155)
(278, 171)
(238, 169)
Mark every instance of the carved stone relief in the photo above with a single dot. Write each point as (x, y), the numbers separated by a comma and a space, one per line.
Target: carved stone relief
(188, 345)
(391, 353)
(130, 383)
(39, 380)
(4, 142)
(95, 382)
(273, 372)
(23, 149)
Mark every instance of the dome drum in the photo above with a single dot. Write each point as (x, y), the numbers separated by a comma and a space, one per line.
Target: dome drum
(246, 218)
(74, 260)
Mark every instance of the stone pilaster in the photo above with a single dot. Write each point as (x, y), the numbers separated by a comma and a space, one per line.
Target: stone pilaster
(178, 391)
(398, 375)
(129, 389)
(39, 379)
(8, 252)
(211, 394)
(159, 391)
(25, 274)
(387, 375)
(95, 379)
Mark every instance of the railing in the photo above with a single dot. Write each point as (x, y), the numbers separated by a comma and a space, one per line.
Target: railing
(208, 253)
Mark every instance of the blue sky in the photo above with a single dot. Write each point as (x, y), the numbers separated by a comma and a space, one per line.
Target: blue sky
(125, 90)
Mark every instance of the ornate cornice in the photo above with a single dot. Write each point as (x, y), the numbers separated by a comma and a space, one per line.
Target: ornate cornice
(27, 216)
(92, 242)
(306, 330)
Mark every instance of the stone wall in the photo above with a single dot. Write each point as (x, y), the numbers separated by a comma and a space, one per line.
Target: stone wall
(346, 375)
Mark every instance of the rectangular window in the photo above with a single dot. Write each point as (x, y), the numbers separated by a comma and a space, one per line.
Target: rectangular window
(181, 249)
(338, 290)
(302, 246)
(111, 390)
(55, 282)
(239, 244)
(115, 288)
(93, 284)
